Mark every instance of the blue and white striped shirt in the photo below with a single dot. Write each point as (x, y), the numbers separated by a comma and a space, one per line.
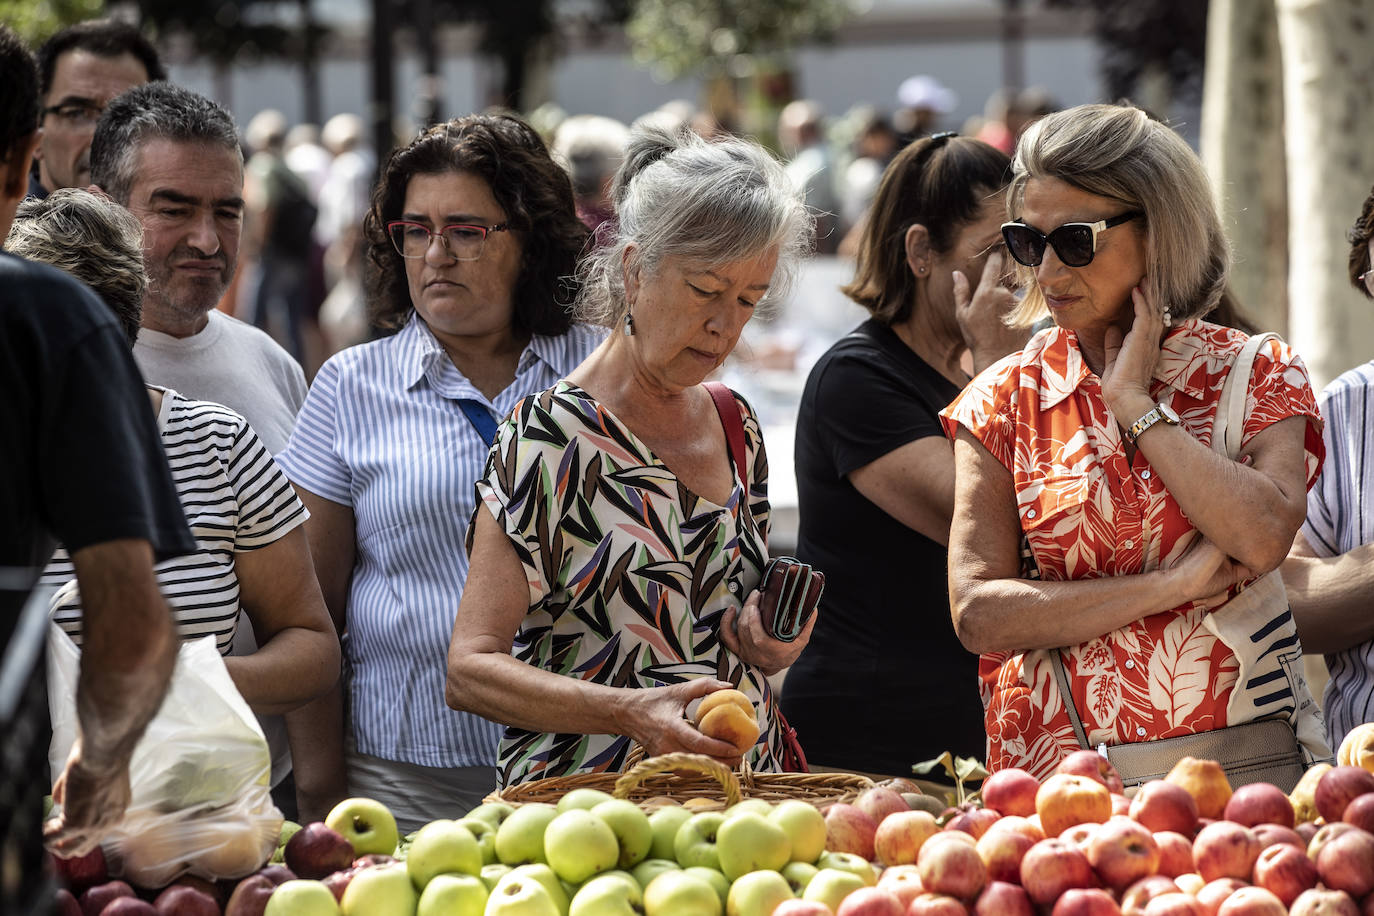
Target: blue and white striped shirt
(382, 433)
(1340, 517)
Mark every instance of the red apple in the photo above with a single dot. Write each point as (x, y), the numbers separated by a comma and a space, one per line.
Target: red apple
(338, 882)
(1346, 863)
(870, 901)
(97, 898)
(798, 907)
(128, 906)
(1307, 830)
(1080, 835)
(1259, 803)
(951, 867)
(1091, 763)
(250, 896)
(1214, 893)
(1286, 871)
(900, 835)
(847, 829)
(902, 882)
(1120, 805)
(936, 905)
(1325, 834)
(65, 903)
(975, 822)
(1175, 904)
(1002, 898)
(1122, 852)
(1023, 825)
(1053, 866)
(1338, 787)
(1252, 901)
(1066, 799)
(82, 872)
(879, 801)
(1325, 903)
(1134, 898)
(1086, 901)
(1175, 853)
(373, 858)
(1163, 805)
(215, 892)
(1225, 850)
(1011, 791)
(1270, 834)
(1002, 849)
(1360, 812)
(180, 900)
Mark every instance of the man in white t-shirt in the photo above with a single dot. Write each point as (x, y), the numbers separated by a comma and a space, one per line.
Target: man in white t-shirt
(172, 157)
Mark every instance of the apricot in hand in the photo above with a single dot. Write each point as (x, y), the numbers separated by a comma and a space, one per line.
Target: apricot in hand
(727, 715)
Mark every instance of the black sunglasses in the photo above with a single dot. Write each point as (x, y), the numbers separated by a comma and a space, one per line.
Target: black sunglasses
(1075, 243)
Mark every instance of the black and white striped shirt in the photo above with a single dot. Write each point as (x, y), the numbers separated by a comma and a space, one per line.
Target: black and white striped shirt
(235, 498)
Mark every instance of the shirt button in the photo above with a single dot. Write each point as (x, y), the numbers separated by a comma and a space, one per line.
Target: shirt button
(1145, 473)
(1129, 544)
(1130, 663)
(1030, 513)
(734, 587)
(1140, 731)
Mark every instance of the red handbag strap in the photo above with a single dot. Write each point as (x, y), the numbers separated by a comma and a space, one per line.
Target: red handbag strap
(728, 409)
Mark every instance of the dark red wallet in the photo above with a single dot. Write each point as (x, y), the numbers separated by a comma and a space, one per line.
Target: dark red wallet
(789, 593)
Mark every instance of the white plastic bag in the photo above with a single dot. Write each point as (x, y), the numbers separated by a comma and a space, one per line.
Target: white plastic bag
(200, 775)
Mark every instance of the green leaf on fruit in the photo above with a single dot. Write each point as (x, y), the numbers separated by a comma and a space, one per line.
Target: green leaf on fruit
(959, 769)
(927, 767)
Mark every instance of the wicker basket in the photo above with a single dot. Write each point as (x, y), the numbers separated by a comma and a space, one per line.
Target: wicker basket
(687, 778)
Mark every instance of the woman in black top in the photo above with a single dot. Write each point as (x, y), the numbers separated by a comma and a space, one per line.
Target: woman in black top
(885, 683)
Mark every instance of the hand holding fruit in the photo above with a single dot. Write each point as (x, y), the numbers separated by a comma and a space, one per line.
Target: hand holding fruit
(656, 718)
(729, 716)
(743, 633)
(92, 799)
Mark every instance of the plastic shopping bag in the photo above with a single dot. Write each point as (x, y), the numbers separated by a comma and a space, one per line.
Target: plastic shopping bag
(201, 801)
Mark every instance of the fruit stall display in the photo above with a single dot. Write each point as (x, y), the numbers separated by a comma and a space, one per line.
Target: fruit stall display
(1073, 844)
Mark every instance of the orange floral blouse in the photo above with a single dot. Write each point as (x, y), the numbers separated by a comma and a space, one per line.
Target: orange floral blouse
(1087, 512)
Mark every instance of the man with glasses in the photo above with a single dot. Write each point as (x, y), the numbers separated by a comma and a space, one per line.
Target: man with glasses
(172, 157)
(1329, 573)
(79, 70)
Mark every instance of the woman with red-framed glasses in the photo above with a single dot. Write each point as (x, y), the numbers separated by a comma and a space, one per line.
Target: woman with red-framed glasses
(1106, 553)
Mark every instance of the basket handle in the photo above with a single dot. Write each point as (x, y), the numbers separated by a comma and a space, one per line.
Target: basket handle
(664, 763)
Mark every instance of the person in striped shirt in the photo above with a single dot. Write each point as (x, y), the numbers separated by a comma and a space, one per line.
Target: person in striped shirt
(242, 512)
(473, 239)
(1329, 573)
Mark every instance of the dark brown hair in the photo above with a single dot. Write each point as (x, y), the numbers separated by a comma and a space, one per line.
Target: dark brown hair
(1359, 237)
(531, 188)
(941, 183)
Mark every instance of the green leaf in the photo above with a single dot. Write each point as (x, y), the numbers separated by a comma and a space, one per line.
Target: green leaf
(969, 768)
(945, 760)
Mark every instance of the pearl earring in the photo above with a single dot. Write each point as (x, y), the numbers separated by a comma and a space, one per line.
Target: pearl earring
(629, 325)
(1168, 318)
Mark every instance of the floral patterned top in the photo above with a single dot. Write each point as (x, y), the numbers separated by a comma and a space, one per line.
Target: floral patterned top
(1087, 512)
(629, 571)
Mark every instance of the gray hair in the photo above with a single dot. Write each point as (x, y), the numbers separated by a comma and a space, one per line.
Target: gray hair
(591, 148)
(154, 111)
(92, 238)
(1119, 152)
(678, 196)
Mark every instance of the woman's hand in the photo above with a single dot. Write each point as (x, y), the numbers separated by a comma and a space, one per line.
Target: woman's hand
(980, 314)
(1130, 359)
(656, 717)
(743, 633)
(1204, 573)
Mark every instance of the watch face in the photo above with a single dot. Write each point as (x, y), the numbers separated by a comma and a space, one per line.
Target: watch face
(1170, 416)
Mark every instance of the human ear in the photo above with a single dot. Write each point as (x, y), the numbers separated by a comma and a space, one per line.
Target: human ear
(917, 244)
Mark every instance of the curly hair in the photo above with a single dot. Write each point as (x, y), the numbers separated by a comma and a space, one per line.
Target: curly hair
(533, 190)
(1359, 237)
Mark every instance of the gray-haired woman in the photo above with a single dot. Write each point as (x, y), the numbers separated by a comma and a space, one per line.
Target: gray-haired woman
(615, 546)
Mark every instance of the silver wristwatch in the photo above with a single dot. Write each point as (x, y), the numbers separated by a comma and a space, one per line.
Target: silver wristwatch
(1159, 413)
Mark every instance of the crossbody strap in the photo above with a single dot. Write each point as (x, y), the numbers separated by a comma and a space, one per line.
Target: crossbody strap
(1062, 678)
(728, 409)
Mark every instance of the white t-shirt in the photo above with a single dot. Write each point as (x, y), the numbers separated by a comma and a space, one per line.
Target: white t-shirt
(235, 498)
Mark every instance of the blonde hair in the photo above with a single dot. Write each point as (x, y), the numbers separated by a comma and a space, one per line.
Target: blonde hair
(1121, 153)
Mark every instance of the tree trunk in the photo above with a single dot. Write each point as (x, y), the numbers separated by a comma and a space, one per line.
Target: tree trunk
(1243, 152)
(1328, 71)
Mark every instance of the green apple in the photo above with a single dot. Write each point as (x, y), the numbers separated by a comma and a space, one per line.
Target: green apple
(695, 843)
(631, 828)
(751, 842)
(578, 844)
(665, 823)
(799, 875)
(491, 812)
(541, 873)
(677, 893)
(756, 805)
(713, 878)
(493, 873)
(520, 895)
(301, 898)
(804, 826)
(830, 886)
(485, 834)
(587, 799)
(382, 890)
(520, 838)
(757, 894)
(442, 847)
(613, 873)
(650, 869)
(288, 830)
(365, 823)
(848, 861)
(608, 895)
(453, 895)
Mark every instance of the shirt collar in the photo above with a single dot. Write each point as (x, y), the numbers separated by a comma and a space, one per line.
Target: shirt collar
(418, 351)
(1180, 355)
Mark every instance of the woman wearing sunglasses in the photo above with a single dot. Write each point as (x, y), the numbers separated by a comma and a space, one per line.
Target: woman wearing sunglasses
(1090, 450)
(472, 240)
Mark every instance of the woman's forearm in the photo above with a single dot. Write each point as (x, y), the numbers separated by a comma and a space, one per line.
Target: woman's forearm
(499, 687)
(316, 734)
(294, 667)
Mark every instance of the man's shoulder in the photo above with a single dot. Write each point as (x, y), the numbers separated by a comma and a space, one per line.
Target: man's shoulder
(242, 334)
